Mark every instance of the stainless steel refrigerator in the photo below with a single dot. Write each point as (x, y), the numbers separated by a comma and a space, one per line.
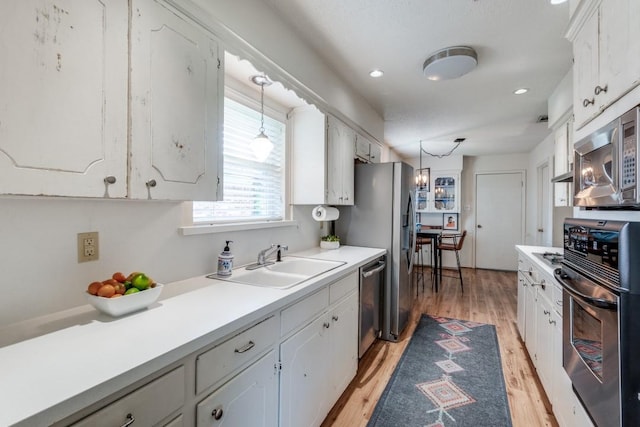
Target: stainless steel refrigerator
(383, 217)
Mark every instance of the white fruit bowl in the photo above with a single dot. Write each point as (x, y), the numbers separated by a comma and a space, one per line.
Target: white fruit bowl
(127, 303)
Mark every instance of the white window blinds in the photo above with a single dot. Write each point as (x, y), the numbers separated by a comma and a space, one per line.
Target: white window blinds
(253, 191)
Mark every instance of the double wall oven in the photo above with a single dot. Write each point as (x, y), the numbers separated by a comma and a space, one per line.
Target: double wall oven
(600, 276)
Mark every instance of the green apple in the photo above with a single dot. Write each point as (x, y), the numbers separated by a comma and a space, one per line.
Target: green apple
(141, 281)
(131, 291)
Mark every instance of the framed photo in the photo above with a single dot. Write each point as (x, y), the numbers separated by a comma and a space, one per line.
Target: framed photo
(423, 179)
(450, 221)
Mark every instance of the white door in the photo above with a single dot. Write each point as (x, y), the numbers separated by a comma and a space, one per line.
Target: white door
(543, 232)
(499, 219)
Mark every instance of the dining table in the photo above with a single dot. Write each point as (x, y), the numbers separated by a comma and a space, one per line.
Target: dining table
(434, 234)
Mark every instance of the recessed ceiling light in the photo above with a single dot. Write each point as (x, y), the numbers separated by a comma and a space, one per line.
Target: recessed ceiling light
(376, 73)
(557, 1)
(521, 91)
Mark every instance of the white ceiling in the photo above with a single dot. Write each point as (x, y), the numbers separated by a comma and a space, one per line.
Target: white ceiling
(519, 43)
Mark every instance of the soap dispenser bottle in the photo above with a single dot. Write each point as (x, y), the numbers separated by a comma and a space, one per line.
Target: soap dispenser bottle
(225, 261)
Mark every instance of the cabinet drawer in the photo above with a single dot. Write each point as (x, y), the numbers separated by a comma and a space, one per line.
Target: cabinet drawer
(549, 284)
(343, 287)
(222, 360)
(148, 405)
(305, 310)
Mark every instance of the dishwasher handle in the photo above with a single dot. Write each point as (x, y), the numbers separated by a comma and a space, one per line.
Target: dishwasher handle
(368, 273)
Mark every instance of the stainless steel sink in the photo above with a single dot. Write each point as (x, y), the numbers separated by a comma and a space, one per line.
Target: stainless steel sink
(289, 272)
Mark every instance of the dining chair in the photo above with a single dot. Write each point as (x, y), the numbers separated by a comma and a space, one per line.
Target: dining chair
(452, 242)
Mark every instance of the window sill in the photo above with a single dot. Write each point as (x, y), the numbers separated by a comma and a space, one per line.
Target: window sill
(238, 226)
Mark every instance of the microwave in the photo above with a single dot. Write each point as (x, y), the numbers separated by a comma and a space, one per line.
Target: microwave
(606, 165)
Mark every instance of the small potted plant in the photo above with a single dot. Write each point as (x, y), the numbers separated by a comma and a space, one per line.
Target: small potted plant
(330, 241)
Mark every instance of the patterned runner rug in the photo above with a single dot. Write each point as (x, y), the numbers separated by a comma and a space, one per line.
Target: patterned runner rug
(450, 375)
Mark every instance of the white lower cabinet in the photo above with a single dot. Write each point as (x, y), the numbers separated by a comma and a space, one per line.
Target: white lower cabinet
(543, 339)
(148, 405)
(248, 399)
(319, 360)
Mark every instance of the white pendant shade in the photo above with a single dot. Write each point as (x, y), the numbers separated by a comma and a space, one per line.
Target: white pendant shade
(261, 147)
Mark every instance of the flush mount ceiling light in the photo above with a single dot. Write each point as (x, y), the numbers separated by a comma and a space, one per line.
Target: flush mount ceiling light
(450, 63)
(376, 73)
(261, 146)
(521, 91)
(557, 1)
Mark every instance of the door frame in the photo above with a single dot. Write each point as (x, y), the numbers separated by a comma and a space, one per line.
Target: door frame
(523, 204)
(540, 196)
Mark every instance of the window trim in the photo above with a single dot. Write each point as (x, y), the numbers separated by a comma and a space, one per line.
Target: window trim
(243, 95)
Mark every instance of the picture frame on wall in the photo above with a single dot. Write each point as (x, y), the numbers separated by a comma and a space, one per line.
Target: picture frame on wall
(450, 221)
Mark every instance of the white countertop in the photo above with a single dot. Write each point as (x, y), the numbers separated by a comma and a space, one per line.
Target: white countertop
(52, 367)
(528, 251)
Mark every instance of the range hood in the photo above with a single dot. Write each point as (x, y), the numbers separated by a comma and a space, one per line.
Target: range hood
(565, 177)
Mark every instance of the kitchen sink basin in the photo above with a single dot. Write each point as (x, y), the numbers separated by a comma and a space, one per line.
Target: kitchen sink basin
(289, 272)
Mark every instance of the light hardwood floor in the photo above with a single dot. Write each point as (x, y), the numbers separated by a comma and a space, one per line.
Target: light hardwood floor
(489, 297)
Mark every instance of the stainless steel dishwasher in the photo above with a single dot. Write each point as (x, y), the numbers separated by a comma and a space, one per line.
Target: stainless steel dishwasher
(371, 285)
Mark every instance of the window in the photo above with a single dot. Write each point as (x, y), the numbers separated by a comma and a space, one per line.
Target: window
(253, 191)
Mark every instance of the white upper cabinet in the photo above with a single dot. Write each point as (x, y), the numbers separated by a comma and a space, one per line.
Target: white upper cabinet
(63, 92)
(176, 106)
(606, 49)
(340, 165)
(322, 158)
(64, 86)
(367, 151)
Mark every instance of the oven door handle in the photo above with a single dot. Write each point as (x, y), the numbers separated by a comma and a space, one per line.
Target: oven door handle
(595, 302)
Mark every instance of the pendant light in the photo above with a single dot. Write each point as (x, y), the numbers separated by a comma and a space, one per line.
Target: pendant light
(261, 146)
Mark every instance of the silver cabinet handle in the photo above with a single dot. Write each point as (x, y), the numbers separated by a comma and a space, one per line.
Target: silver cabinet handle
(547, 312)
(217, 413)
(246, 348)
(129, 420)
(334, 318)
(110, 180)
(151, 183)
(598, 90)
(552, 322)
(586, 102)
(326, 325)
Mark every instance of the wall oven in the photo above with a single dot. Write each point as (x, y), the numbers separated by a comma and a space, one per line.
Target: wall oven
(600, 276)
(606, 164)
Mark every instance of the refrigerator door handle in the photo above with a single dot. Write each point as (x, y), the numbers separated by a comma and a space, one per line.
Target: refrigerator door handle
(372, 271)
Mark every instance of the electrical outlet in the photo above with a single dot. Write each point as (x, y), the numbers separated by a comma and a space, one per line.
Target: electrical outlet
(88, 246)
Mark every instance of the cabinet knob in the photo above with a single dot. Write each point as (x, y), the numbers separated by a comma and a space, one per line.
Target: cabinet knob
(326, 325)
(479, 225)
(151, 183)
(552, 322)
(598, 90)
(110, 180)
(334, 318)
(217, 413)
(129, 420)
(586, 102)
(540, 230)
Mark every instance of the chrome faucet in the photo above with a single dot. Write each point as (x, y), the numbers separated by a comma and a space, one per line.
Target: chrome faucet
(265, 253)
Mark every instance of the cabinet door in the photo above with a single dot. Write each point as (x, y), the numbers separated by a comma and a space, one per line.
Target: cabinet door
(344, 346)
(363, 147)
(304, 384)
(544, 344)
(530, 322)
(561, 165)
(340, 167)
(619, 48)
(249, 399)
(445, 192)
(63, 86)
(522, 306)
(562, 396)
(176, 106)
(375, 153)
(586, 74)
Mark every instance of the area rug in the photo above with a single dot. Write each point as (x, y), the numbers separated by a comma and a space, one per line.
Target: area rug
(449, 375)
